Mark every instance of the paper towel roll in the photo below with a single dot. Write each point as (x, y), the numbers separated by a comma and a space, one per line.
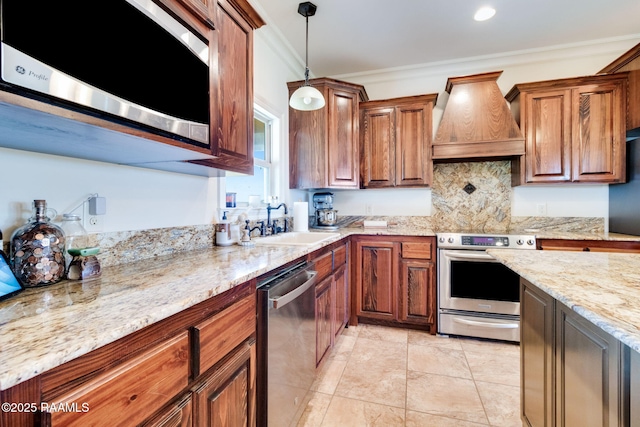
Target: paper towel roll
(300, 216)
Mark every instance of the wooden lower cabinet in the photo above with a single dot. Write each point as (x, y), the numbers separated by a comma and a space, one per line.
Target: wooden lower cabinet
(195, 368)
(324, 316)
(537, 314)
(394, 281)
(226, 397)
(417, 291)
(572, 372)
(332, 297)
(341, 300)
(589, 245)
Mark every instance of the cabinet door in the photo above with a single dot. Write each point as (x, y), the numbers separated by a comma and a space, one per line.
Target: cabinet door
(536, 356)
(234, 130)
(599, 133)
(324, 316)
(548, 136)
(376, 280)
(179, 414)
(342, 144)
(587, 373)
(341, 300)
(227, 397)
(413, 164)
(417, 292)
(378, 147)
(131, 392)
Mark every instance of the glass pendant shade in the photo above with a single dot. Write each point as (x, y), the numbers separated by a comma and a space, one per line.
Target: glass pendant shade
(306, 98)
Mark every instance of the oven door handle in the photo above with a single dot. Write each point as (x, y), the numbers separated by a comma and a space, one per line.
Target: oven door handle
(468, 256)
(487, 324)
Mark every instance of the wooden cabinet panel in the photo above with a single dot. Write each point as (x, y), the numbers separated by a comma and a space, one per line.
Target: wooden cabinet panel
(323, 265)
(598, 133)
(378, 271)
(339, 256)
(413, 145)
(324, 318)
(396, 142)
(179, 414)
(203, 9)
(378, 147)
(419, 250)
(131, 392)
(536, 357)
(324, 144)
(589, 245)
(587, 373)
(629, 63)
(548, 136)
(342, 147)
(226, 398)
(218, 335)
(417, 292)
(341, 300)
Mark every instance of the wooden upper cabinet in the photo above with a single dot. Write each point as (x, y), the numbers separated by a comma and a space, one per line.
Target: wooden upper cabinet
(203, 9)
(629, 63)
(232, 128)
(574, 129)
(323, 144)
(396, 142)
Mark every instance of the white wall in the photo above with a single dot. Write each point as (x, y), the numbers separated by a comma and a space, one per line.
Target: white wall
(136, 198)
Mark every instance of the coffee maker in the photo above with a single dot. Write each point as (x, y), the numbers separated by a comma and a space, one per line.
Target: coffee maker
(326, 217)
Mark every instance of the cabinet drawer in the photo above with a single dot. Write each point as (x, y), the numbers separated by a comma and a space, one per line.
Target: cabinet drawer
(419, 250)
(323, 265)
(131, 392)
(218, 335)
(339, 256)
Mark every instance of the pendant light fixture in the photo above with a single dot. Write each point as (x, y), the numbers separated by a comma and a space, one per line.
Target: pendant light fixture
(306, 97)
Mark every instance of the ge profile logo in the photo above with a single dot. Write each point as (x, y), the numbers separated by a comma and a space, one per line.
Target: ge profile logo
(20, 70)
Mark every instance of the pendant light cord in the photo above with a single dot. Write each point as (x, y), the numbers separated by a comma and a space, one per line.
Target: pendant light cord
(306, 56)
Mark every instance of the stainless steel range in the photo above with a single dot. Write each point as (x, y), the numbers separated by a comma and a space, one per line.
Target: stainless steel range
(477, 295)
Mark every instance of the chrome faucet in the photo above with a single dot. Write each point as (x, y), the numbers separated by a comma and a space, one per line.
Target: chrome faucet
(274, 227)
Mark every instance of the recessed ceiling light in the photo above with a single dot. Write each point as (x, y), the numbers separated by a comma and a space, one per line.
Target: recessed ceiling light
(484, 13)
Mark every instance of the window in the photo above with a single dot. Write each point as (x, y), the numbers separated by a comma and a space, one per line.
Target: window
(262, 182)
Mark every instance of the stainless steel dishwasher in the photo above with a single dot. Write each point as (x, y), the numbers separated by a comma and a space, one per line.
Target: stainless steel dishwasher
(286, 344)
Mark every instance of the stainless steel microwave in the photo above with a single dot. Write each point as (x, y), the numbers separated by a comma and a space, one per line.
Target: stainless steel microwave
(128, 61)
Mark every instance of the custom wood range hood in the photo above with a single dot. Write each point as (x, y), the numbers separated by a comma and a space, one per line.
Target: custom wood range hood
(477, 123)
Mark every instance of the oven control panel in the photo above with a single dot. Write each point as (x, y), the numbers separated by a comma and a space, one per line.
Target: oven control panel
(480, 241)
(485, 241)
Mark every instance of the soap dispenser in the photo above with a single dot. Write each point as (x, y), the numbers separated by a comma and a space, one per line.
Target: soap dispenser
(223, 231)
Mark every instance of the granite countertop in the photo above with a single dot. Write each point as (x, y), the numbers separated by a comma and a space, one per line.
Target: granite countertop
(602, 287)
(42, 328)
(45, 327)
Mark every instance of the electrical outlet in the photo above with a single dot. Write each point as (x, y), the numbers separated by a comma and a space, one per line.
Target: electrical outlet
(541, 209)
(368, 209)
(92, 223)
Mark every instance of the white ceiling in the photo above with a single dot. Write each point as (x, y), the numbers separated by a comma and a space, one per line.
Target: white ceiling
(355, 36)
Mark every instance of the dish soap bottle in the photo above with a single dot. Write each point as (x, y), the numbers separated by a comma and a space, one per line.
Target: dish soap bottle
(37, 249)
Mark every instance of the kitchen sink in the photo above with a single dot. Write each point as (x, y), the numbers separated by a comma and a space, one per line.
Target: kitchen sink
(295, 238)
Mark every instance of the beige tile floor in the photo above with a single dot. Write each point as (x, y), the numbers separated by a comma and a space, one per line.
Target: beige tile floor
(379, 376)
